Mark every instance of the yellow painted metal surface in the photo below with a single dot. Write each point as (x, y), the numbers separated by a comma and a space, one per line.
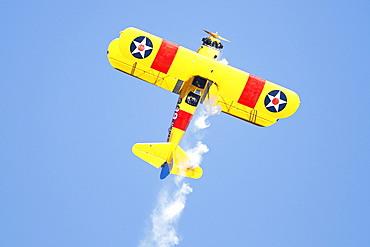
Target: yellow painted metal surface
(208, 52)
(154, 153)
(183, 167)
(175, 69)
(157, 154)
(229, 82)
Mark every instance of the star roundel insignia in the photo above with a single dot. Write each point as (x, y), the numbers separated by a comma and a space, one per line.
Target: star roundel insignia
(141, 47)
(275, 101)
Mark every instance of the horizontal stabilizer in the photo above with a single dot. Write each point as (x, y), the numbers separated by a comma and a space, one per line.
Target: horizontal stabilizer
(155, 154)
(172, 161)
(182, 165)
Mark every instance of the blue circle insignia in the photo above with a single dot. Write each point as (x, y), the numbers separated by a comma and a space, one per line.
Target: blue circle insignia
(141, 47)
(275, 101)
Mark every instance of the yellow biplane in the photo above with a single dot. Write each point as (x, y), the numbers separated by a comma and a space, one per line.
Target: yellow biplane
(195, 77)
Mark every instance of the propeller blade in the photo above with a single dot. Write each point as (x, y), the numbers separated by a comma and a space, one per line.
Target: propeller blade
(215, 35)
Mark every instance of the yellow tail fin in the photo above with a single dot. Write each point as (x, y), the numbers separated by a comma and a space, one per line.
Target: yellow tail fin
(158, 154)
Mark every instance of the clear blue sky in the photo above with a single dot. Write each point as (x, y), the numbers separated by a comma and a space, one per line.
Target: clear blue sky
(68, 121)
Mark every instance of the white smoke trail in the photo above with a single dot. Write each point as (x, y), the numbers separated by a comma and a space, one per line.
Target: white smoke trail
(209, 109)
(223, 60)
(171, 204)
(166, 215)
(196, 154)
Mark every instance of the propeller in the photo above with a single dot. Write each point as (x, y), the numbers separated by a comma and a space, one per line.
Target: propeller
(215, 35)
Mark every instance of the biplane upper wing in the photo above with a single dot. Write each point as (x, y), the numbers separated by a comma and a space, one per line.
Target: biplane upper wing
(151, 59)
(168, 65)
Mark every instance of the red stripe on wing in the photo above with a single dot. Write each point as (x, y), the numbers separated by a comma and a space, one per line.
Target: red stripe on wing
(165, 56)
(252, 91)
(182, 120)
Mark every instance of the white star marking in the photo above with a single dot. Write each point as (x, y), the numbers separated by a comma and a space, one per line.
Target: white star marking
(141, 47)
(275, 101)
